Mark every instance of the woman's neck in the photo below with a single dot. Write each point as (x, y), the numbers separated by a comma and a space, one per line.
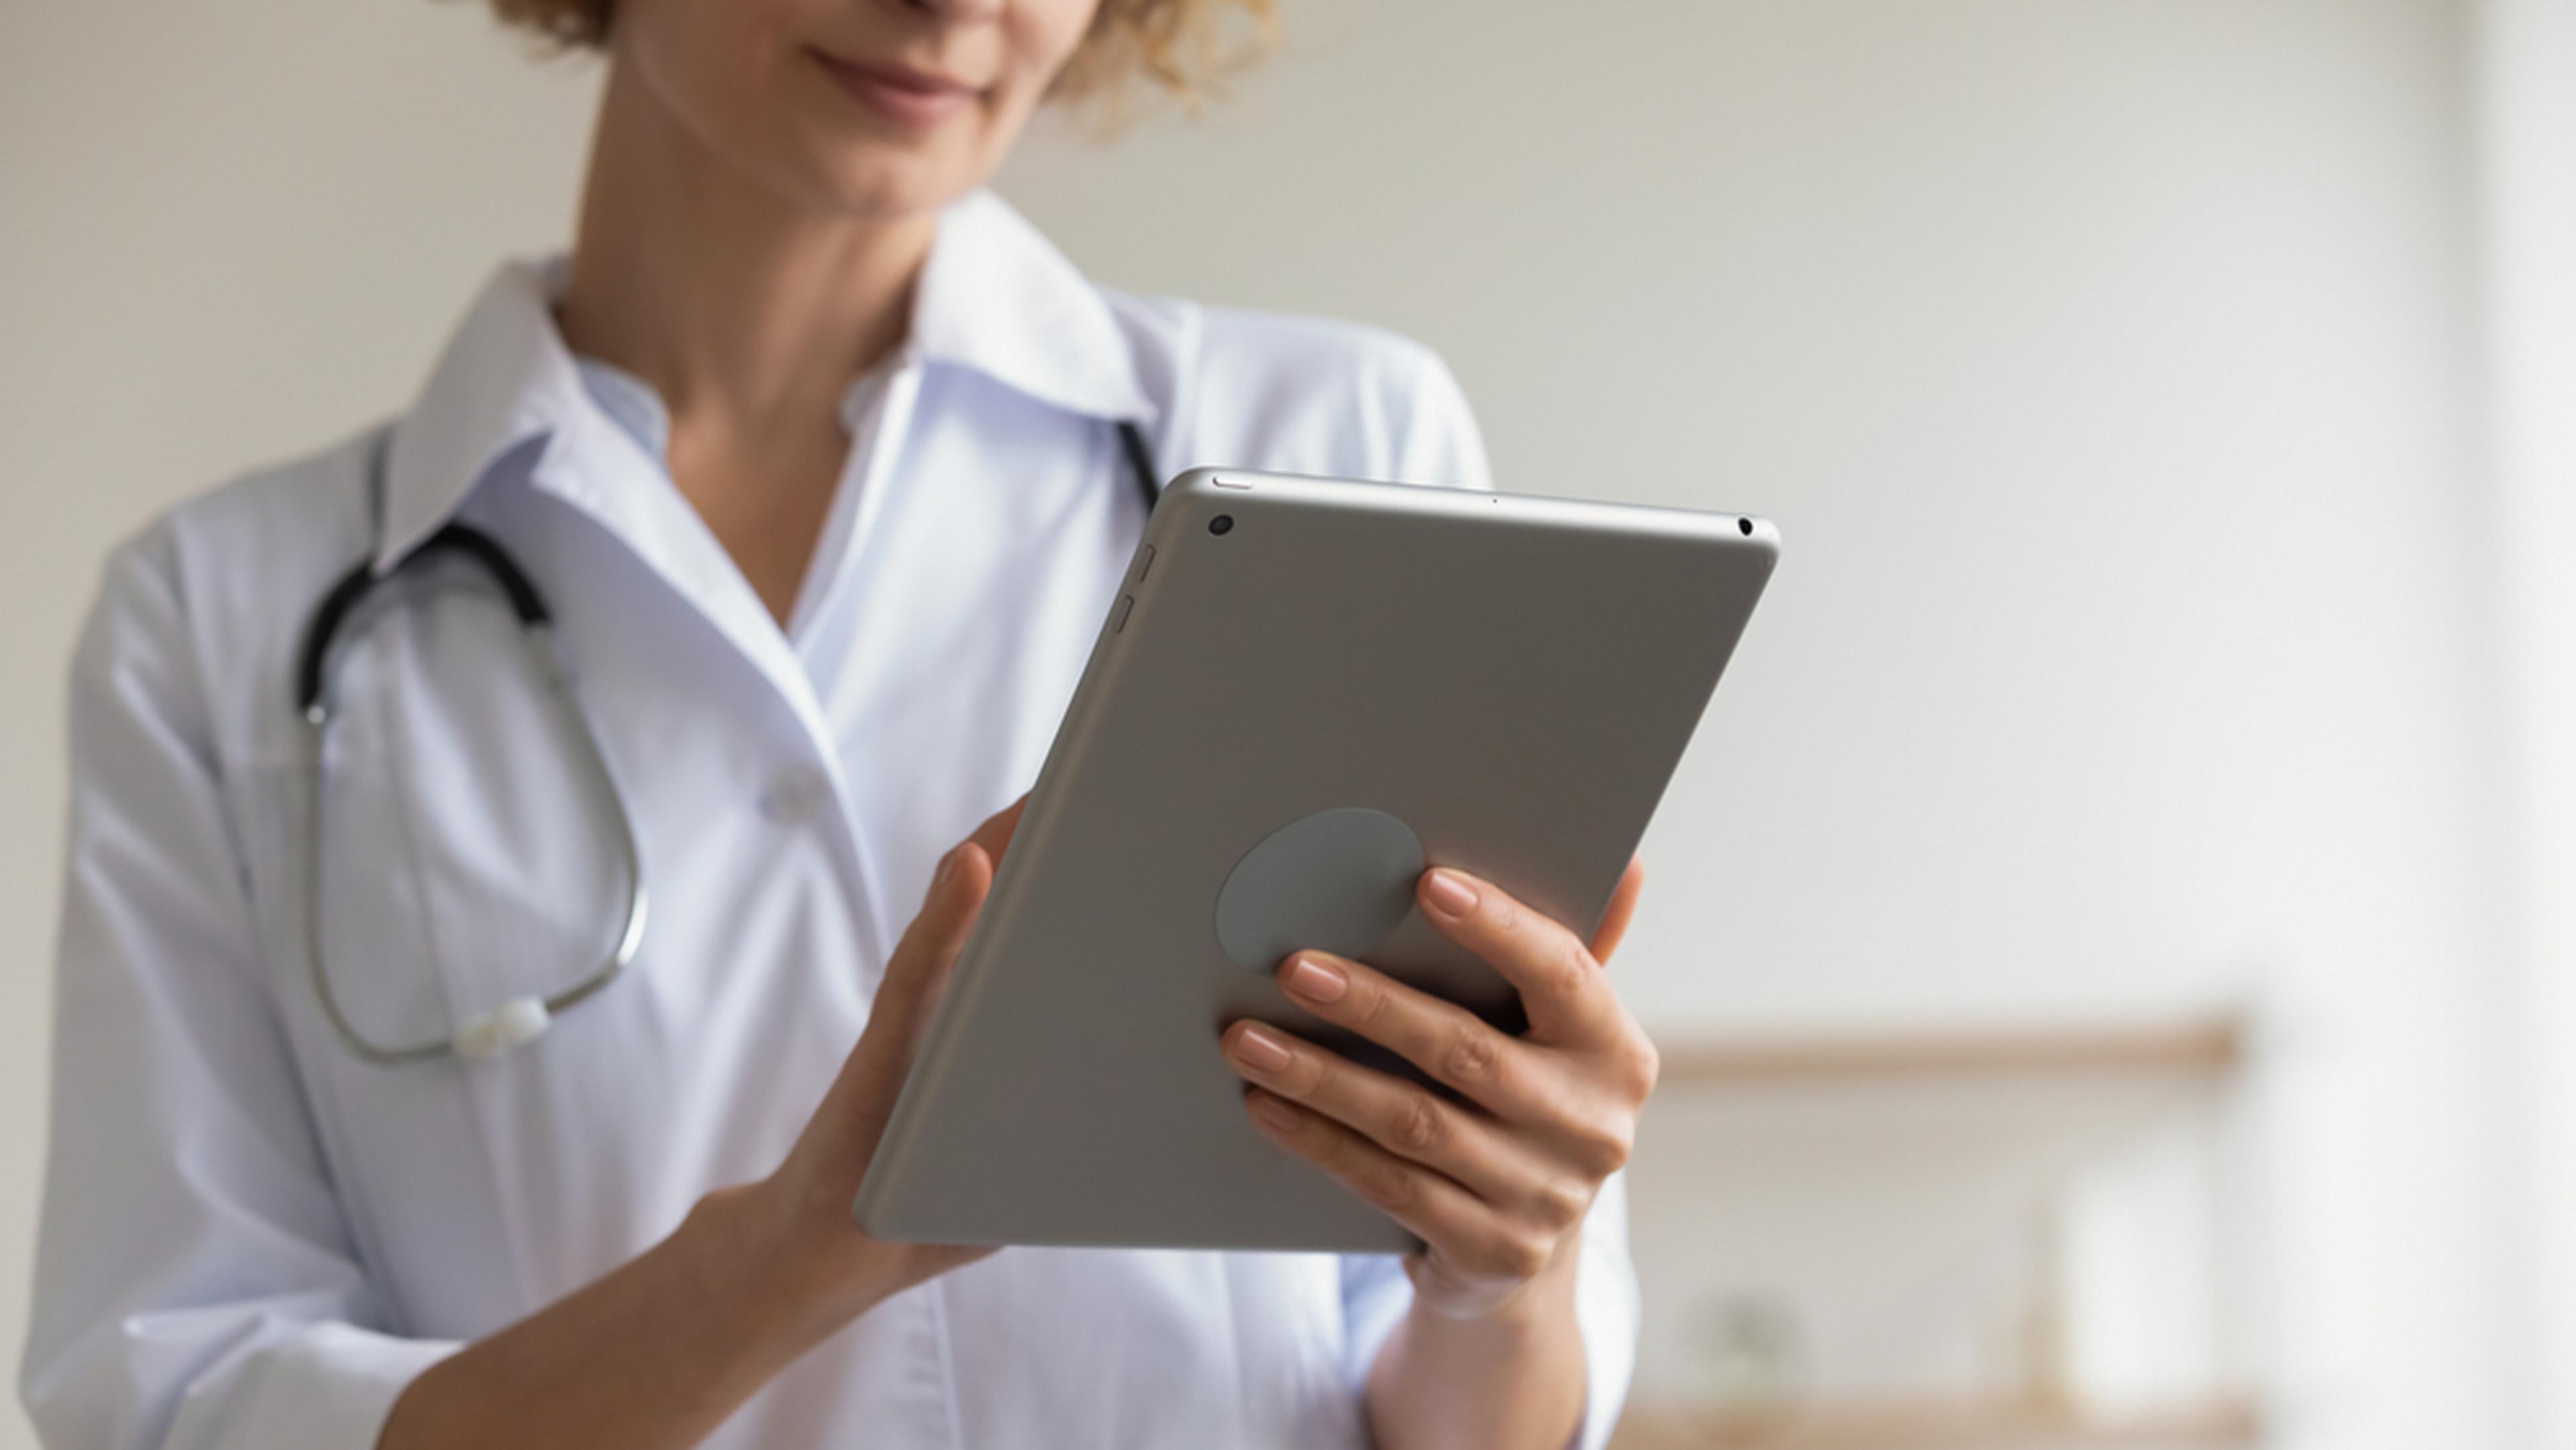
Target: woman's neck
(748, 314)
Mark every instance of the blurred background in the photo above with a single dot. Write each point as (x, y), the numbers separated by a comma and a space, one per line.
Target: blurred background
(2114, 938)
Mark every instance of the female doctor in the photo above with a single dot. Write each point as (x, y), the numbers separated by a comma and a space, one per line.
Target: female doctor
(818, 460)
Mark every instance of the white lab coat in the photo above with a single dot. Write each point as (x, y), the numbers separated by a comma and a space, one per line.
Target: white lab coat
(252, 1238)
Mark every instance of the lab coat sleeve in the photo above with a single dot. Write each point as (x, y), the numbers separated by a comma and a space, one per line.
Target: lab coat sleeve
(196, 1287)
(1440, 444)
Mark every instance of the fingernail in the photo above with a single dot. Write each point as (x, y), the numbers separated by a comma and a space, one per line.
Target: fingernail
(1275, 1115)
(947, 868)
(1316, 981)
(1260, 1050)
(1450, 892)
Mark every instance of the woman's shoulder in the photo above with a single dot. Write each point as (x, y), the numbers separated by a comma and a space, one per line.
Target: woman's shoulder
(223, 577)
(271, 530)
(312, 502)
(1301, 394)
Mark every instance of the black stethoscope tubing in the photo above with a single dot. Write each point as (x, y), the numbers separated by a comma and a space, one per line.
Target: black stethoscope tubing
(519, 1019)
(526, 602)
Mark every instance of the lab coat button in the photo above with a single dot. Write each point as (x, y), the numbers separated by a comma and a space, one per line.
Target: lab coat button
(794, 795)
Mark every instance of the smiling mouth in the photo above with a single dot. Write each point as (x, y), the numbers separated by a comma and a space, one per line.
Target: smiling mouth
(912, 99)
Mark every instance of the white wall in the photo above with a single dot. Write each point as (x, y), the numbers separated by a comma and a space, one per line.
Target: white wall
(2106, 364)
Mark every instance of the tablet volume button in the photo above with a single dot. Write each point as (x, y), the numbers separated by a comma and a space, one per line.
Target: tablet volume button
(1118, 617)
(1144, 562)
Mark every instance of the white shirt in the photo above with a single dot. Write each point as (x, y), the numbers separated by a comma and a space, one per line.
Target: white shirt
(253, 1239)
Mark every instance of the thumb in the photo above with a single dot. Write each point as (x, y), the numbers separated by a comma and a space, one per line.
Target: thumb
(915, 978)
(996, 832)
(1622, 908)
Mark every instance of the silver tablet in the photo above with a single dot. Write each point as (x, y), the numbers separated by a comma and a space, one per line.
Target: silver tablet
(1309, 690)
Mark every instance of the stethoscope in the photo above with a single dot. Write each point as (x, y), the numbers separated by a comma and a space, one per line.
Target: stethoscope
(518, 1020)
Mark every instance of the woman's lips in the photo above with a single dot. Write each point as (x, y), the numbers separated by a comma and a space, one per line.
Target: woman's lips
(909, 98)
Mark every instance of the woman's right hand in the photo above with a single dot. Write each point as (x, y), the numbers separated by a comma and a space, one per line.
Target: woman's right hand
(656, 1353)
(821, 1261)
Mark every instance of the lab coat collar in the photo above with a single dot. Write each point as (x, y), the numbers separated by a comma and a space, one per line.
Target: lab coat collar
(505, 378)
(995, 297)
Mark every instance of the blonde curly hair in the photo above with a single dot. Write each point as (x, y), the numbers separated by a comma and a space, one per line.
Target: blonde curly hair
(1180, 47)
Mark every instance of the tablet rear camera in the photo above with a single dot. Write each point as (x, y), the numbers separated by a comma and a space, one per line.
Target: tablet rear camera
(1744, 527)
(1222, 523)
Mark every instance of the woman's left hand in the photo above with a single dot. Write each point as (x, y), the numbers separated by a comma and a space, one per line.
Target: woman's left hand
(1496, 1180)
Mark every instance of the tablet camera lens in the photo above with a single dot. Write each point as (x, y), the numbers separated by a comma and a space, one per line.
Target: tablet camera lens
(1746, 526)
(1222, 523)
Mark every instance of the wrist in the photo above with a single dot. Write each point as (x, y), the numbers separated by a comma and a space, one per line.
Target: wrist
(1535, 1301)
(753, 1256)
(1508, 1374)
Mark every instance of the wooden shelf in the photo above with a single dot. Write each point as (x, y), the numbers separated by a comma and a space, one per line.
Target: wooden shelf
(2210, 1047)
(2225, 1421)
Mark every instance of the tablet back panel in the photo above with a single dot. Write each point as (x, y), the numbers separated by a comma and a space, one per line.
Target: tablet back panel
(1513, 678)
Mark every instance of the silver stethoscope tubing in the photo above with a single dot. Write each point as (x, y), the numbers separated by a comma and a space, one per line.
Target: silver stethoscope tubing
(521, 1019)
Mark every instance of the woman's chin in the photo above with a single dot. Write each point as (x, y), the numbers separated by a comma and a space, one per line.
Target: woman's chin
(882, 177)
